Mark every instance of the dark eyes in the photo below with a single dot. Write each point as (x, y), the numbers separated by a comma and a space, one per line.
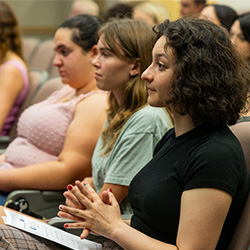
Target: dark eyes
(161, 66)
(64, 52)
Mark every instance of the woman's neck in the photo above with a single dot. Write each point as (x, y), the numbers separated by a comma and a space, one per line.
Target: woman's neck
(10, 55)
(89, 87)
(182, 123)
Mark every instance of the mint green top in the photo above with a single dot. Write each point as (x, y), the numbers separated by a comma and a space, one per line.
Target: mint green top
(133, 149)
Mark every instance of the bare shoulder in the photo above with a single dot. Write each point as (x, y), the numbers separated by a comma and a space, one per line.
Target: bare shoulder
(11, 71)
(97, 101)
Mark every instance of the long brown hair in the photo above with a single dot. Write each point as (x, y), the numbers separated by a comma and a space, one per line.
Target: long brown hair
(136, 40)
(10, 37)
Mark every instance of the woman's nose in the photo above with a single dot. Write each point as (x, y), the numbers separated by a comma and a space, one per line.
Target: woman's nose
(95, 61)
(147, 74)
(57, 62)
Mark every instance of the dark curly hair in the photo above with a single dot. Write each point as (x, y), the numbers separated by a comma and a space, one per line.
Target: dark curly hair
(212, 80)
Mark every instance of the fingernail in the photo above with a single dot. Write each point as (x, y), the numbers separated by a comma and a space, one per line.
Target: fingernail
(110, 190)
(61, 207)
(85, 184)
(69, 187)
(66, 225)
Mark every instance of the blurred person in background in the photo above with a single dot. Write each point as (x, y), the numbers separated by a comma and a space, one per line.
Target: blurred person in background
(14, 73)
(150, 12)
(84, 7)
(118, 10)
(221, 15)
(191, 7)
(240, 34)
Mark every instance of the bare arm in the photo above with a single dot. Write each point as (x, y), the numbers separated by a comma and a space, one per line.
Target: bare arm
(75, 159)
(203, 212)
(11, 84)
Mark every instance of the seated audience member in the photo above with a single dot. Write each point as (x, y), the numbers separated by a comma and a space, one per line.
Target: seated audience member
(191, 7)
(240, 33)
(14, 75)
(132, 128)
(118, 10)
(220, 14)
(56, 137)
(88, 7)
(150, 12)
(192, 193)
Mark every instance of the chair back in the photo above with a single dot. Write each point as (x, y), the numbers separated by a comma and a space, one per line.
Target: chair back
(51, 85)
(30, 45)
(43, 56)
(53, 71)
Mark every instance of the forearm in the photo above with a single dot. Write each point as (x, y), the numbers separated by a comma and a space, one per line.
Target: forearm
(45, 176)
(131, 239)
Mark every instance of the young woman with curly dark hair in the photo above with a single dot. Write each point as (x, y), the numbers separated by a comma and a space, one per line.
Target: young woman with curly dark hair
(191, 194)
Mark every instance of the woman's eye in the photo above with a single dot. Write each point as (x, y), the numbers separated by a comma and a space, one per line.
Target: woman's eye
(65, 52)
(161, 66)
(105, 54)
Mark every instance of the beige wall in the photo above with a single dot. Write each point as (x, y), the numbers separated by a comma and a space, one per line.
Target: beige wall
(41, 17)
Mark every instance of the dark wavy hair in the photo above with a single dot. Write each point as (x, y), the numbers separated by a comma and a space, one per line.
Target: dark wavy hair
(212, 80)
(84, 29)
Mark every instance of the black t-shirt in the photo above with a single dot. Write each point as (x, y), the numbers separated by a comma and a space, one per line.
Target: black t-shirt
(200, 158)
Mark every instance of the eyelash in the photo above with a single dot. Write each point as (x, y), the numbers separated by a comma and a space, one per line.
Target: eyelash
(64, 52)
(161, 66)
(105, 54)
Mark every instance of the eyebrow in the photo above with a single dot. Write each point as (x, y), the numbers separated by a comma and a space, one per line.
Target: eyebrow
(59, 47)
(161, 55)
(104, 48)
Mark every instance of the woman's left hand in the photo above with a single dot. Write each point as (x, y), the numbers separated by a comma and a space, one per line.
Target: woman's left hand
(100, 217)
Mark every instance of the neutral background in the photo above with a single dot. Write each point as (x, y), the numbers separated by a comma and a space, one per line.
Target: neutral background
(41, 17)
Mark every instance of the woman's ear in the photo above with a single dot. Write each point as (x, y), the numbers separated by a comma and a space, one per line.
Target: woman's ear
(135, 68)
(94, 52)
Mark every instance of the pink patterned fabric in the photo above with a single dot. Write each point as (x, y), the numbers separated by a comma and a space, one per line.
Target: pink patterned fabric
(19, 100)
(42, 130)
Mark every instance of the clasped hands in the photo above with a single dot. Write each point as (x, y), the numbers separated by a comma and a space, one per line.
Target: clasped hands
(88, 211)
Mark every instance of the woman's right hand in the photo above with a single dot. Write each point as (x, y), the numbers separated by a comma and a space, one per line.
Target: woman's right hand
(97, 217)
(71, 200)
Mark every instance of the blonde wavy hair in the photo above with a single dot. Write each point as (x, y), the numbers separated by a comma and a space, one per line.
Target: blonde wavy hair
(155, 10)
(129, 40)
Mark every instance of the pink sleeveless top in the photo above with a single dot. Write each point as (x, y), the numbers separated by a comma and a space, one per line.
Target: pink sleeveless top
(20, 98)
(42, 129)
